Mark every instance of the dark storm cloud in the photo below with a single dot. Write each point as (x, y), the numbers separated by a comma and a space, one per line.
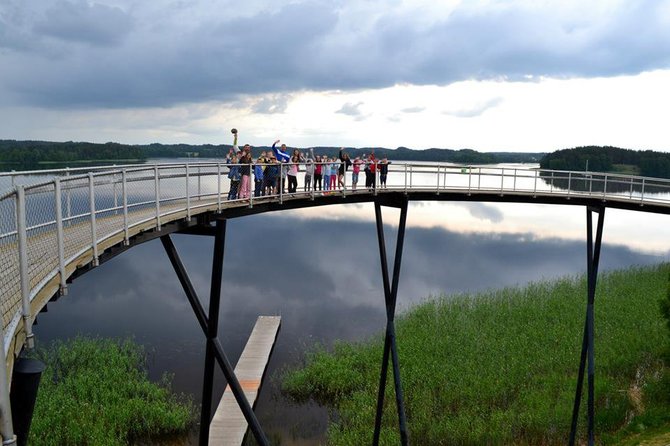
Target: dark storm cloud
(79, 21)
(87, 54)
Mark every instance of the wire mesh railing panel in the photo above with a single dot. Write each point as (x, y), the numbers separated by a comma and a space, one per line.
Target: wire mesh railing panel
(9, 260)
(106, 203)
(42, 248)
(172, 183)
(75, 202)
(140, 193)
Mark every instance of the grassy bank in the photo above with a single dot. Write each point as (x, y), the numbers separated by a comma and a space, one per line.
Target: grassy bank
(96, 392)
(501, 367)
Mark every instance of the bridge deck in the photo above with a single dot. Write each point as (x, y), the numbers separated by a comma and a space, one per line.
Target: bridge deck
(229, 426)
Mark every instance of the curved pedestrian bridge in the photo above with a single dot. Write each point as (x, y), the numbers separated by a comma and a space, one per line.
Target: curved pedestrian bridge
(53, 230)
(57, 227)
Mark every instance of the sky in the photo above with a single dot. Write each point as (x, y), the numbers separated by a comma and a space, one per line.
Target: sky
(490, 75)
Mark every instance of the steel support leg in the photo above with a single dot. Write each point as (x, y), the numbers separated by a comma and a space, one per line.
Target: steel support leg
(390, 347)
(588, 353)
(209, 324)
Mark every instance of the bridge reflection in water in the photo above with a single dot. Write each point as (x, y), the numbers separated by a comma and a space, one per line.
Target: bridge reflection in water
(55, 230)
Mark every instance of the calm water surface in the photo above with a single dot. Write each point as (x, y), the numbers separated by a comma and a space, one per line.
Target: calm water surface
(322, 277)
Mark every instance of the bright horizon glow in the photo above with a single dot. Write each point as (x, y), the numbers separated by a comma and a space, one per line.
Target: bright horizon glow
(487, 75)
(538, 116)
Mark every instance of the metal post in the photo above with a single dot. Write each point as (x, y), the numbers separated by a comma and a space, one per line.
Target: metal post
(631, 189)
(157, 196)
(569, 181)
(94, 235)
(405, 178)
(218, 187)
(68, 197)
(551, 188)
(281, 182)
(437, 190)
(642, 195)
(605, 187)
(199, 185)
(6, 424)
(390, 295)
(535, 184)
(124, 193)
(469, 179)
(188, 198)
(22, 232)
(60, 236)
(593, 259)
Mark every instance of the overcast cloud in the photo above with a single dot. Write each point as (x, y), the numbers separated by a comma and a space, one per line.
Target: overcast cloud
(63, 53)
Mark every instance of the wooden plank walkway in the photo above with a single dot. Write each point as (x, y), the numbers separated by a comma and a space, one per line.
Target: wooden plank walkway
(229, 426)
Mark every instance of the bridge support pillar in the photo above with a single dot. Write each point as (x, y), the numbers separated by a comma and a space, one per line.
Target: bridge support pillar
(587, 353)
(209, 324)
(390, 297)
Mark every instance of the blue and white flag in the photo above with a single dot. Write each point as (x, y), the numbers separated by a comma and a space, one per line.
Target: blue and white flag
(283, 157)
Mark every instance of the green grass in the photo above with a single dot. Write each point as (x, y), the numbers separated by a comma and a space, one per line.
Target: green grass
(96, 392)
(501, 367)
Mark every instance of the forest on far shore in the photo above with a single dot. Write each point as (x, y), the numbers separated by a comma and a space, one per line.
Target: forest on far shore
(34, 153)
(609, 159)
(29, 154)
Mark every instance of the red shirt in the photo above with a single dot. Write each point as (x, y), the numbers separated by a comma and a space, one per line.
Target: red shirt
(373, 164)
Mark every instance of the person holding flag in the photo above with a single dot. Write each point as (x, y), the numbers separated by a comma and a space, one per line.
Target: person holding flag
(281, 153)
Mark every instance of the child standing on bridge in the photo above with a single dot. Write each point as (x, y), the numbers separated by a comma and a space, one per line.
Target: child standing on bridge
(326, 173)
(383, 171)
(356, 169)
(334, 168)
(233, 174)
(318, 173)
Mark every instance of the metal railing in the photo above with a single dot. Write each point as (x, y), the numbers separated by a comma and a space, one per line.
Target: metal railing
(47, 226)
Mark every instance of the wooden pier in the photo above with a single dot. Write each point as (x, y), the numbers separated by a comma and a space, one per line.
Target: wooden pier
(229, 426)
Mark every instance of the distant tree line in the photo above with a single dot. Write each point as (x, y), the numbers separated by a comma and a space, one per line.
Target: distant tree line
(36, 152)
(604, 159)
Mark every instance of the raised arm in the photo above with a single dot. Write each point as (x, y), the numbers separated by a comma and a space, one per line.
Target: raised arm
(235, 147)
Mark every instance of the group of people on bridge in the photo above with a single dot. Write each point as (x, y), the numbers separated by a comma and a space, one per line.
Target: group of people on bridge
(273, 169)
